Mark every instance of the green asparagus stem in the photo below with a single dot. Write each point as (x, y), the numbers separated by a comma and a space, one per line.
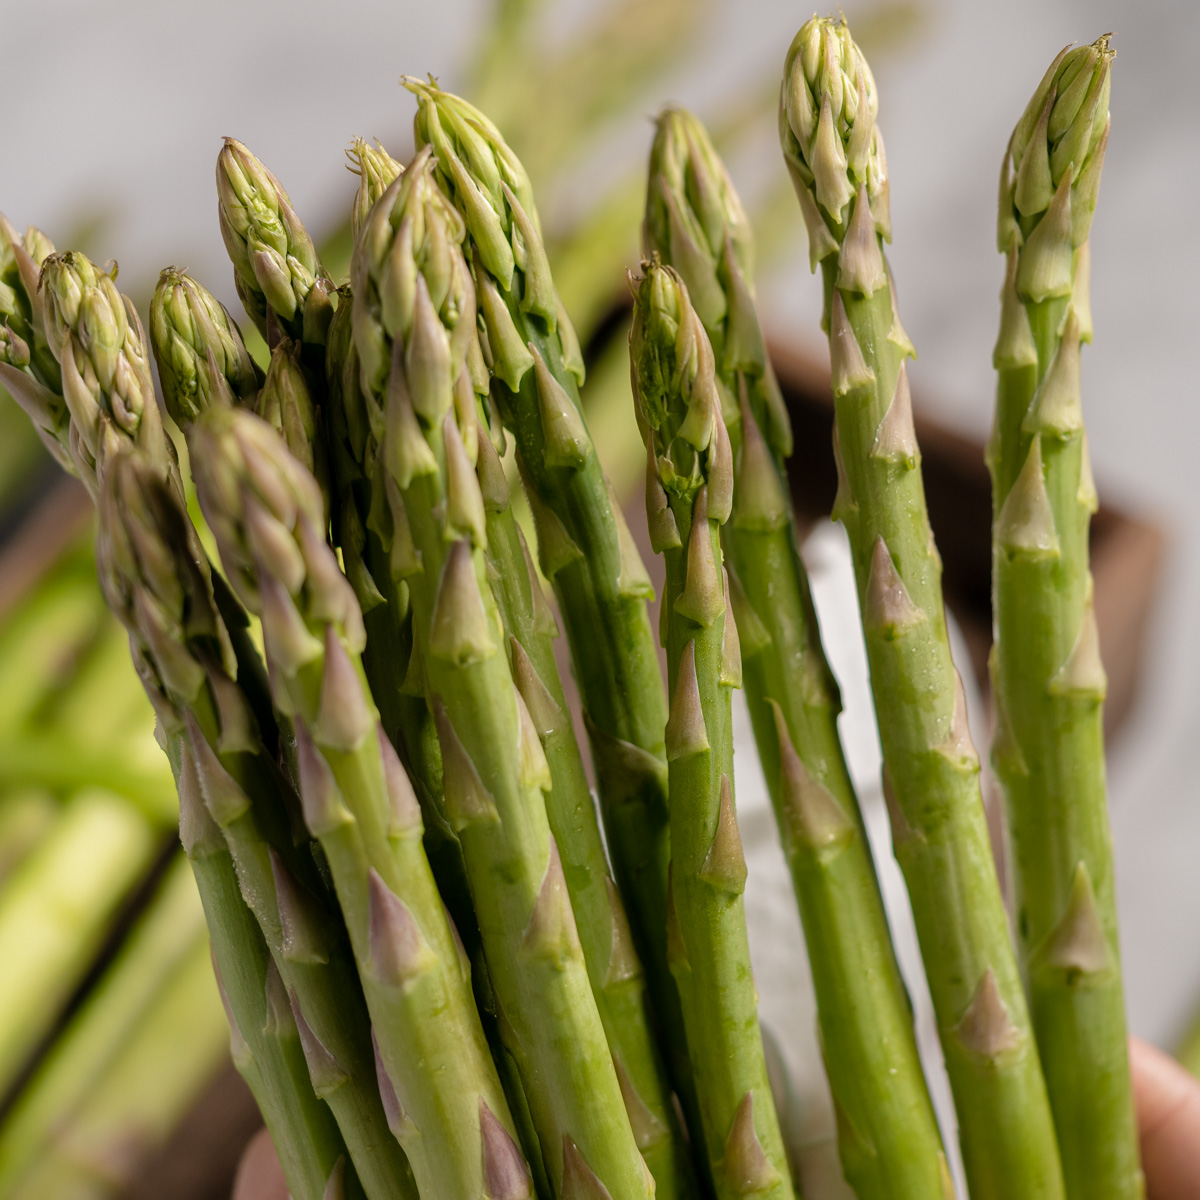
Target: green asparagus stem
(1188, 1051)
(445, 1102)
(275, 266)
(56, 911)
(376, 170)
(414, 329)
(584, 546)
(618, 981)
(1047, 676)
(161, 589)
(196, 343)
(169, 933)
(888, 1135)
(834, 151)
(678, 411)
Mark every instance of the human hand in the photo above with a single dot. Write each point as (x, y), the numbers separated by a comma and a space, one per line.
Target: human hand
(1167, 1099)
(1168, 1111)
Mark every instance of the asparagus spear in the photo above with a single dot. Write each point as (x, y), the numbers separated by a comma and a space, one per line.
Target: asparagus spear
(56, 911)
(1048, 679)
(161, 589)
(678, 411)
(584, 546)
(447, 1107)
(414, 323)
(278, 277)
(618, 981)
(834, 152)
(889, 1141)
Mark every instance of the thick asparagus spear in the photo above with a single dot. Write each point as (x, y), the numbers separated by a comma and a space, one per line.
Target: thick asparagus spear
(268, 515)
(679, 413)
(414, 323)
(618, 980)
(584, 546)
(1048, 680)
(161, 589)
(888, 1135)
(834, 151)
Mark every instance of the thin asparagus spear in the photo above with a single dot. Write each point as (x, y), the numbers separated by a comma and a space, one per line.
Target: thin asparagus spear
(834, 151)
(678, 410)
(888, 1135)
(56, 911)
(584, 546)
(171, 928)
(618, 981)
(1048, 679)
(267, 513)
(98, 1150)
(414, 324)
(275, 266)
(161, 589)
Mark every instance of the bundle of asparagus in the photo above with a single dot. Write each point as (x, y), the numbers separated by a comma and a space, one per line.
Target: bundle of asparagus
(447, 972)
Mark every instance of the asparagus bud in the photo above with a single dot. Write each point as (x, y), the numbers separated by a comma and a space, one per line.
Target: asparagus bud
(376, 169)
(275, 263)
(198, 348)
(831, 144)
(97, 337)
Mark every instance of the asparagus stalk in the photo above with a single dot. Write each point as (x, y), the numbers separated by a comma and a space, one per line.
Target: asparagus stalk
(834, 152)
(584, 546)
(618, 980)
(170, 932)
(678, 411)
(446, 1106)
(1048, 679)
(161, 589)
(889, 1141)
(56, 911)
(279, 279)
(414, 325)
